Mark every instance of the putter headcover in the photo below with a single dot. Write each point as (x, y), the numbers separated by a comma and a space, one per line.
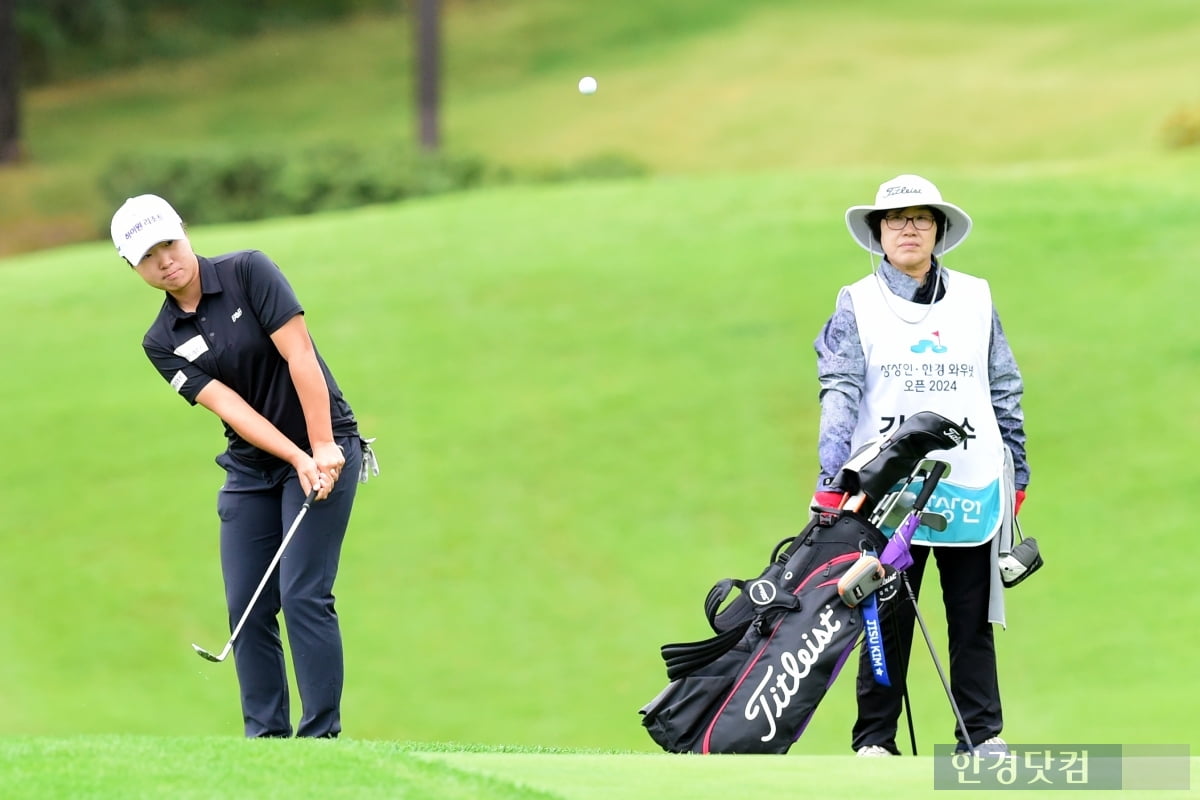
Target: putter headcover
(1021, 562)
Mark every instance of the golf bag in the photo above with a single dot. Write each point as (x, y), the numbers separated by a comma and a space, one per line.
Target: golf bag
(783, 639)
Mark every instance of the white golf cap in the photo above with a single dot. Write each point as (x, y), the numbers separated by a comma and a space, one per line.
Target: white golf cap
(905, 191)
(142, 222)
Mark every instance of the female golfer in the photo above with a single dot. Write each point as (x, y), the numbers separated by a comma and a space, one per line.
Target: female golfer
(231, 337)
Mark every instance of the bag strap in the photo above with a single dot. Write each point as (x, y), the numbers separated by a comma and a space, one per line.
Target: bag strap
(682, 659)
(716, 596)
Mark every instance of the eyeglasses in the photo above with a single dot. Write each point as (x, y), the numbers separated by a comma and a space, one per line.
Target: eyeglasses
(921, 222)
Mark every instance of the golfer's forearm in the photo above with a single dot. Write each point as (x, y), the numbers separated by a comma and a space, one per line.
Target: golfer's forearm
(314, 397)
(296, 347)
(246, 422)
(256, 430)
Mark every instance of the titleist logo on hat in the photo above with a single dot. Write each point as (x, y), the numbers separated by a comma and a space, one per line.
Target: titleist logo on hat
(903, 191)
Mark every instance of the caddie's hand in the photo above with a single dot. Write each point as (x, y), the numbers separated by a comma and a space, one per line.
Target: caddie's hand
(829, 499)
(1020, 500)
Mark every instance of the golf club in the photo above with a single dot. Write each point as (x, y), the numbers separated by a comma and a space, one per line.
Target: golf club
(897, 552)
(894, 507)
(899, 510)
(891, 511)
(312, 495)
(902, 560)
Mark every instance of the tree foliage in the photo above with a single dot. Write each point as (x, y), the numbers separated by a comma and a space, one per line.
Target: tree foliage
(10, 92)
(61, 38)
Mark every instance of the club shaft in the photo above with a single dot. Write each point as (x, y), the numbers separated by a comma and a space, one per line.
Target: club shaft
(931, 482)
(911, 522)
(267, 575)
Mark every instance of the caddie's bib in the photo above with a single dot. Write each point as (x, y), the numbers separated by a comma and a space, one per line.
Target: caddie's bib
(922, 358)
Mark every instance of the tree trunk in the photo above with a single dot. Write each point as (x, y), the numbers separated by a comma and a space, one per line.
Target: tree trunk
(10, 85)
(428, 49)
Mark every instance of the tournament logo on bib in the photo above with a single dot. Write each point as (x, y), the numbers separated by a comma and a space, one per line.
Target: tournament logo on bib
(930, 344)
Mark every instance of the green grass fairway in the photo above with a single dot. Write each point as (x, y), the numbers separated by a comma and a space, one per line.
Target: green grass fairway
(130, 768)
(592, 402)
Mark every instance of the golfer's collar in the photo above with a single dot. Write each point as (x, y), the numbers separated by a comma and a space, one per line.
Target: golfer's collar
(209, 284)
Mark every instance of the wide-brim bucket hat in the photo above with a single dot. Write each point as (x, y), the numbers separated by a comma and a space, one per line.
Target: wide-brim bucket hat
(905, 191)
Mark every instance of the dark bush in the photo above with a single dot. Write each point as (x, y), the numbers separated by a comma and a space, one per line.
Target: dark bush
(231, 187)
(598, 167)
(238, 186)
(64, 38)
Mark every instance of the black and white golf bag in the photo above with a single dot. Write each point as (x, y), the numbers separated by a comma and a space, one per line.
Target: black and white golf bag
(783, 639)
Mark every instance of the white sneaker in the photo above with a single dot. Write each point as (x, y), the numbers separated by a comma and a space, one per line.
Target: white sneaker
(873, 751)
(994, 746)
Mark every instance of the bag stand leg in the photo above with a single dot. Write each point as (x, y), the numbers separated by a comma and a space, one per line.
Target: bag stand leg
(912, 731)
(962, 726)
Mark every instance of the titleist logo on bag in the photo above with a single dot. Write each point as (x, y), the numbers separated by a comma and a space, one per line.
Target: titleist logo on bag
(774, 692)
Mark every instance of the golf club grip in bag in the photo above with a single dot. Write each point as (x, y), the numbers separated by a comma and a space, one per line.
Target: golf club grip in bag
(887, 460)
(754, 686)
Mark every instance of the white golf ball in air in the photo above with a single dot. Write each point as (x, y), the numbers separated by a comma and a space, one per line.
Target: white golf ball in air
(587, 85)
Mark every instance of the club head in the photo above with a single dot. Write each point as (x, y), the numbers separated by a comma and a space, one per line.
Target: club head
(207, 655)
(899, 508)
(935, 521)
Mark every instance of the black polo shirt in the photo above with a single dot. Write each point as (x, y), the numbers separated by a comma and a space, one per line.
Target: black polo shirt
(245, 299)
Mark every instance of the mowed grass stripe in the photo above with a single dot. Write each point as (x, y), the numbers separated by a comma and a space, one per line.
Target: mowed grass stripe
(185, 767)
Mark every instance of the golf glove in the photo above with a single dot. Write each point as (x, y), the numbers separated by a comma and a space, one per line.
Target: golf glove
(370, 464)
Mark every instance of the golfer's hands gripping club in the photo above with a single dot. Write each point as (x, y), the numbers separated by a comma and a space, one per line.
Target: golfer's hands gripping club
(321, 470)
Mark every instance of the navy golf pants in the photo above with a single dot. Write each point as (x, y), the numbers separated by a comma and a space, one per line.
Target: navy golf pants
(965, 574)
(256, 509)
